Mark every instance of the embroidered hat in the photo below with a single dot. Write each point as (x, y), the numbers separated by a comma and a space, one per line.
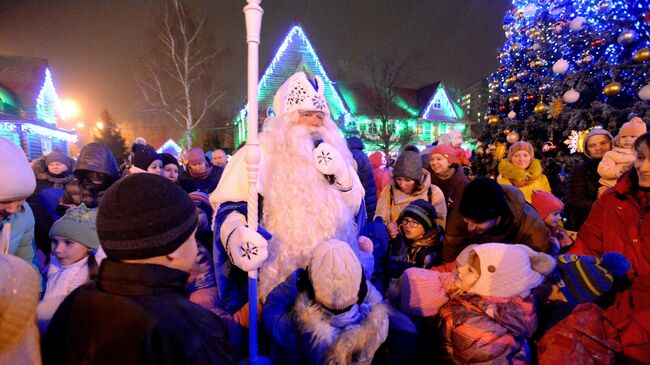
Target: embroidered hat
(18, 181)
(301, 94)
(521, 146)
(446, 151)
(508, 270)
(408, 164)
(335, 274)
(78, 224)
(545, 203)
(421, 211)
(584, 278)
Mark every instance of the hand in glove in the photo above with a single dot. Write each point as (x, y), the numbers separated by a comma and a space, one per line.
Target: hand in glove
(247, 249)
(329, 161)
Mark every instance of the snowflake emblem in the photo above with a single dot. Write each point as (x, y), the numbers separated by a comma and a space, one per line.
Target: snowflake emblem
(318, 102)
(296, 96)
(249, 250)
(324, 158)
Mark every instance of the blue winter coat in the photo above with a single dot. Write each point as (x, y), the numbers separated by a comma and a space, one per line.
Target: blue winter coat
(364, 170)
(21, 241)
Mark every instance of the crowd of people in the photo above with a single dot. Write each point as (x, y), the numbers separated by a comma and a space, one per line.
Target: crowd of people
(362, 259)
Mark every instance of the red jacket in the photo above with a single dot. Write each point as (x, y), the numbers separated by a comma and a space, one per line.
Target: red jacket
(583, 337)
(617, 223)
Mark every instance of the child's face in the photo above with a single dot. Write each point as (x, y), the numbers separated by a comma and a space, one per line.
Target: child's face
(626, 141)
(155, 167)
(467, 275)
(68, 251)
(412, 229)
(57, 167)
(553, 219)
(407, 185)
(171, 172)
(521, 159)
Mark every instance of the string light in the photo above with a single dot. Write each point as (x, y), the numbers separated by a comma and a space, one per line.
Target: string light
(67, 136)
(47, 101)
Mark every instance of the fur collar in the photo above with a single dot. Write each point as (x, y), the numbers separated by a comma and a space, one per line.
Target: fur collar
(356, 336)
(514, 173)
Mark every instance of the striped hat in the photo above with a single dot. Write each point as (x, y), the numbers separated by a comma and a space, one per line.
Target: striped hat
(422, 212)
(585, 278)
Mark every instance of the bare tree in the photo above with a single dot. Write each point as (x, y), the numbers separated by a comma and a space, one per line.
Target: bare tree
(178, 80)
(385, 76)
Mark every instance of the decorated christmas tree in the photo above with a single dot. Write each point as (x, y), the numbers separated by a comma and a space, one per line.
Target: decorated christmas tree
(565, 67)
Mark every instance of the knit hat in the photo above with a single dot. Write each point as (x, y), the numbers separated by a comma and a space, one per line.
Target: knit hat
(78, 224)
(520, 146)
(335, 274)
(409, 164)
(169, 159)
(18, 181)
(634, 127)
(483, 199)
(594, 132)
(545, 203)
(144, 215)
(301, 94)
(144, 155)
(195, 155)
(422, 212)
(446, 151)
(19, 290)
(508, 270)
(584, 278)
(58, 156)
(202, 201)
(376, 159)
(422, 293)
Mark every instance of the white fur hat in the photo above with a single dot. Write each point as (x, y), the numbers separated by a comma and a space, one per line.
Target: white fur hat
(335, 274)
(302, 94)
(18, 181)
(508, 270)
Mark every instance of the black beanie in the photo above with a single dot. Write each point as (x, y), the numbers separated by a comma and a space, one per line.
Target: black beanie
(169, 159)
(421, 211)
(483, 199)
(144, 215)
(144, 155)
(409, 164)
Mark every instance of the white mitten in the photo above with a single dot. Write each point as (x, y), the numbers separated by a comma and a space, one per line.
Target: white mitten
(329, 161)
(247, 249)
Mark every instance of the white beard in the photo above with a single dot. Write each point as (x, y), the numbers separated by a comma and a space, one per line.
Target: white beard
(300, 207)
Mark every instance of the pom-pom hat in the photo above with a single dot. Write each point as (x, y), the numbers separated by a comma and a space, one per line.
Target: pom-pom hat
(409, 164)
(78, 224)
(545, 203)
(422, 212)
(584, 278)
(335, 274)
(299, 93)
(634, 127)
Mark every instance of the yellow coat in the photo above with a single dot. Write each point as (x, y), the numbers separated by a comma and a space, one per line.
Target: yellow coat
(526, 180)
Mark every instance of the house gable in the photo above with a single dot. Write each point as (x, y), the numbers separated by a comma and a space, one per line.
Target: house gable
(441, 107)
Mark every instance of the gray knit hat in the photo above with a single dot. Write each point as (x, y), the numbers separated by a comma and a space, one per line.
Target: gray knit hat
(595, 132)
(409, 163)
(78, 224)
(144, 215)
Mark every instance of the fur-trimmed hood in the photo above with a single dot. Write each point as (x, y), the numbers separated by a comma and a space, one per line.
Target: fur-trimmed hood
(352, 337)
(514, 173)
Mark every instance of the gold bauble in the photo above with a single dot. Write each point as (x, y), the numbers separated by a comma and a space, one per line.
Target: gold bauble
(514, 47)
(493, 119)
(535, 34)
(536, 63)
(540, 107)
(512, 137)
(642, 55)
(514, 99)
(613, 88)
(511, 80)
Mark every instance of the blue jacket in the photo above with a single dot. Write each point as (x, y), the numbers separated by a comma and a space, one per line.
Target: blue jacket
(302, 332)
(21, 243)
(364, 170)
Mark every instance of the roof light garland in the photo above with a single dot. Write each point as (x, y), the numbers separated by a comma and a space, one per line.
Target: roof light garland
(47, 101)
(288, 39)
(170, 145)
(445, 104)
(50, 133)
(10, 127)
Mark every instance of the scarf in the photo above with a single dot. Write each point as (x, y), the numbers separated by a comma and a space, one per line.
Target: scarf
(447, 174)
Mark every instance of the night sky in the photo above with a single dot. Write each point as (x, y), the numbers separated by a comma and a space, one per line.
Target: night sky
(94, 46)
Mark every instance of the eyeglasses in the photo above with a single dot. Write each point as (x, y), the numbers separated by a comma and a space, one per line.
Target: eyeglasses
(407, 222)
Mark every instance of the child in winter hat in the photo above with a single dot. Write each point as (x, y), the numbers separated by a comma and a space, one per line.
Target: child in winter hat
(568, 311)
(170, 167)
(549, 209)
(620, 158)
(327, 313)
(420, 240)
(145, 159)
(73, 262)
